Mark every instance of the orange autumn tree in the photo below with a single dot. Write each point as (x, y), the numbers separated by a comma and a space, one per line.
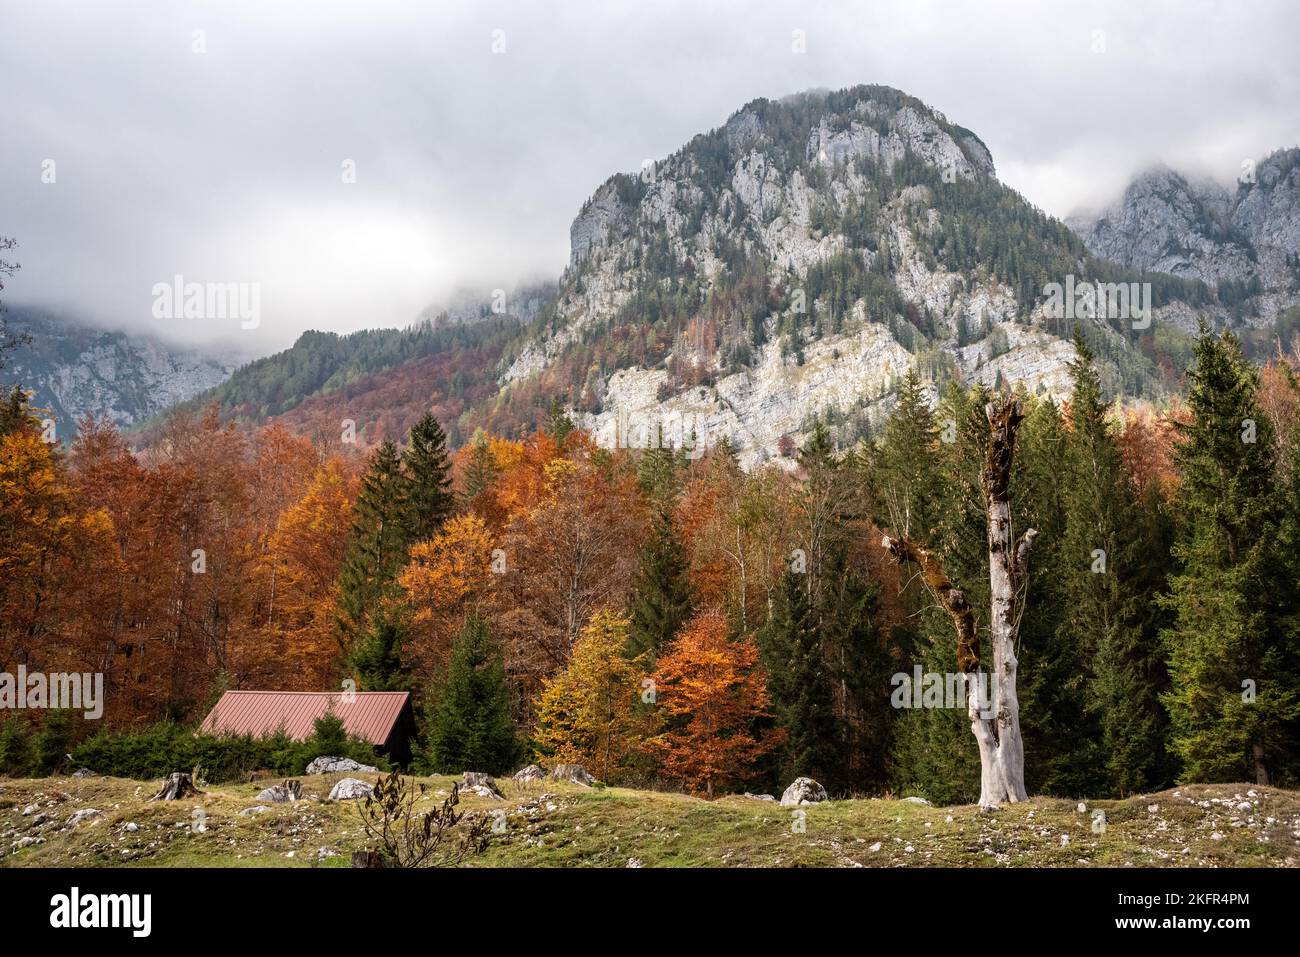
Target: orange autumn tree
(46, 540)
(592, 712)
(302, 563)
(449, 577)
(711, 690)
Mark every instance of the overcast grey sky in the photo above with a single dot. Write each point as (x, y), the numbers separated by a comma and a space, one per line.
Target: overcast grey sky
(226, 165)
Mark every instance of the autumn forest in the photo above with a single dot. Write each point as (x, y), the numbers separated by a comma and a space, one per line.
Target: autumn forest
(669, 620)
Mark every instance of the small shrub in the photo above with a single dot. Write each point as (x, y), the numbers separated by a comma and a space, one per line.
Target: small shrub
(15, 748)
(403, 837)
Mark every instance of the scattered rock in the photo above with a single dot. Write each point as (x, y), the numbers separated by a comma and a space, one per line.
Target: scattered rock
(874, 847)
(255, 809)
(83, 773)
(350, 789)
(634, 862)
(282, 793)
(529, 774)
(484, 785)
(759, 797)
(30, 810)
(331, 765)
(83, 815)
(1082, 808)
(1216, 836)
(1153, 808)
(803, 791)
(917, 800)
(131, 826)
(1065, 840)
(573, 773)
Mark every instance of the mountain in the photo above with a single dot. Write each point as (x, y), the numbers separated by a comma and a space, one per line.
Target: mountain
(385, 379)
(1244, 242)
(75, 369)
(795, 262)
(792, 265)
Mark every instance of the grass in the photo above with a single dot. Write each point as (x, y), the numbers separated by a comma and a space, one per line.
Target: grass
(555, 824)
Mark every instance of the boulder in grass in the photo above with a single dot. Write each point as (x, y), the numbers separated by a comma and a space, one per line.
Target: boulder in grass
(529, 774)
(917, 800)
(351, 789)
(759, 797)
(83, 773)
(573, 773)
(484, 785)
(803, 791)
(331, 765)
(282, 793)
(255, 809)
(83, 815)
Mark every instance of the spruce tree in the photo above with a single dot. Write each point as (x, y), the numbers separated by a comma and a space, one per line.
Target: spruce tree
(661, 600)
(936, 459)
(1228, 703)
(376, 547)
(1060, 735)
(377, 656)
(481, 469)
(469, 725)
(428, 479)
(801, 695)
(1109, 565)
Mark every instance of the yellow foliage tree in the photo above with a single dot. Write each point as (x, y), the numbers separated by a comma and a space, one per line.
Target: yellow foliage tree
(591, 713)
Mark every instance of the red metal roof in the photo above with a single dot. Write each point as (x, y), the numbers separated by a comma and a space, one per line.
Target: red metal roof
(366, 714)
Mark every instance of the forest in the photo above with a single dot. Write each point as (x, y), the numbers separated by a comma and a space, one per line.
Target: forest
(669, 620)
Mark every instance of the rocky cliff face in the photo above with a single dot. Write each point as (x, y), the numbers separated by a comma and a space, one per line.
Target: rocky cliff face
(74, 370)
(1247, 237)
(882, 241)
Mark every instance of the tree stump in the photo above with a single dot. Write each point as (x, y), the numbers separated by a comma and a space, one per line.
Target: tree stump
(367, 859)
(178, 785)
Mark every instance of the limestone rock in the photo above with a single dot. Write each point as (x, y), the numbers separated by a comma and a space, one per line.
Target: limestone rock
(803, 791)
(282, 793)
(484, 785)
(332, 765)
(350, 789)
(573, 773)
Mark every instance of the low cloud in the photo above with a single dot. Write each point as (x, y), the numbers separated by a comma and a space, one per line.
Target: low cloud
(222, 154)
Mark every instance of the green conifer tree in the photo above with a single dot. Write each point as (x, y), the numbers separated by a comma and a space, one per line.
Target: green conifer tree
(1230, 698)
(428, 479)
(376, 548)
(469, 726)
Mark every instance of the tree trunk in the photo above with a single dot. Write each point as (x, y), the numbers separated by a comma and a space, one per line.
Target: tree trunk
(996, 722)
(176, 787)
(1007, 566)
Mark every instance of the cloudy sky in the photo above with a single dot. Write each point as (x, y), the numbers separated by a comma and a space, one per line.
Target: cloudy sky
(220, 155)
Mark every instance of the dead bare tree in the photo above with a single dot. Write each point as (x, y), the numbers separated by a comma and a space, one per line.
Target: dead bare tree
(996, 722)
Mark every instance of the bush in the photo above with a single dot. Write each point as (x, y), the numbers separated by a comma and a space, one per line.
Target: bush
(166, 747)
(15, 748)
(50, 745)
